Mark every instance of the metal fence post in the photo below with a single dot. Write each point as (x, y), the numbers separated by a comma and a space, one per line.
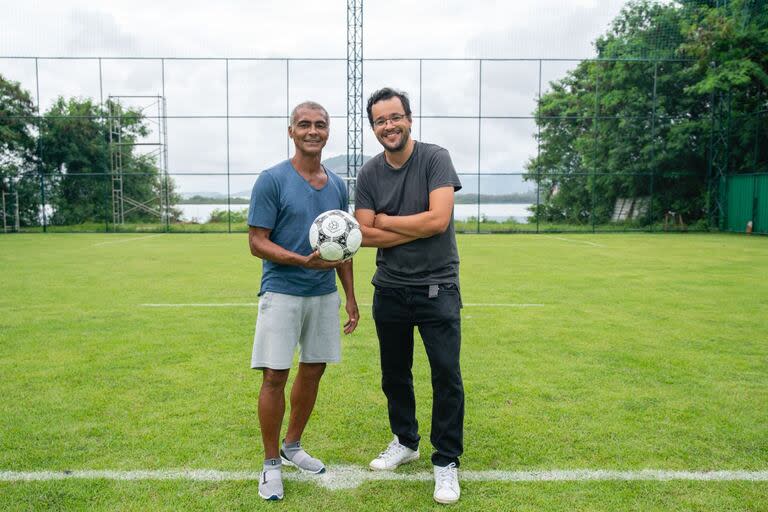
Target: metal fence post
(538, 154)
(40, 168)
(596, 135)
(229, 193)
(653, 145)
(479, 133)
(106, 181)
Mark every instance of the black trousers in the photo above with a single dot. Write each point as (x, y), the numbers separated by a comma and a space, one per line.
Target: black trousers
(396, 312)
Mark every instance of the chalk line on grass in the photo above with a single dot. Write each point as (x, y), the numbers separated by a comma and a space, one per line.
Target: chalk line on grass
(500, 305)
(123, 240)
(349, 477)
(594, 244)
(254, 304)
(204, 305)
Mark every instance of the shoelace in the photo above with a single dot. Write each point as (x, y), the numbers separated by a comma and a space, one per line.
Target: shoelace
(393, 448)
(446, 475)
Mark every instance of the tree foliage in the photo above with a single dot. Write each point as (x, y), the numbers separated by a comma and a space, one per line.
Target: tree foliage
(18, 149)
(63, 159)
(636, 123)
(77, 161)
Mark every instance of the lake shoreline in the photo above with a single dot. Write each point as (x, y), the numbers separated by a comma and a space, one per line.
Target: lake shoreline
(201, 213)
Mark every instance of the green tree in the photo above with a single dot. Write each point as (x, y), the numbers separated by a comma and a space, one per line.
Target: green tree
(18, 149)
(622, 127)
(76, 156)
(730, 45)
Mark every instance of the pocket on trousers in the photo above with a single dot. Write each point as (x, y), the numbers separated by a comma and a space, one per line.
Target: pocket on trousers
(385, 292)
(265, 301)
(383, 301)
(450, 301)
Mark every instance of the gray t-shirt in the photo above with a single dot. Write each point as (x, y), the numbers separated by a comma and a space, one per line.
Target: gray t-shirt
(405, 191)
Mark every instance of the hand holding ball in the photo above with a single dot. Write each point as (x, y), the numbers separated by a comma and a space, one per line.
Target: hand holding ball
(336, 235)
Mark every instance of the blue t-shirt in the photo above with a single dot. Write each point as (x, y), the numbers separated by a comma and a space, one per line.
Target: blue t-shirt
(283, 201)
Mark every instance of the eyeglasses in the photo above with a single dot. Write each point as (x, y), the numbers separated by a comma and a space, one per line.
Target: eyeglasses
(382, 121)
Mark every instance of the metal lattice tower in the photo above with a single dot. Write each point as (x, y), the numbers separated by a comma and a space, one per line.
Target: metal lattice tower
(116, 160)
(122, 204)
(15, 205)
(354, 93)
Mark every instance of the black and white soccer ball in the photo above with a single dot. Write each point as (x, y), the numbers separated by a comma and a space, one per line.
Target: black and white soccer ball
(336, 234)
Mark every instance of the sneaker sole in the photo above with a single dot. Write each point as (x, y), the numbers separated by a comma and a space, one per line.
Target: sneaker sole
(411, 458)
(445, 502)
(273, 497)
(287, 462)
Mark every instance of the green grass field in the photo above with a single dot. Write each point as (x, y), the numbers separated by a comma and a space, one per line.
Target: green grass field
(647, 352)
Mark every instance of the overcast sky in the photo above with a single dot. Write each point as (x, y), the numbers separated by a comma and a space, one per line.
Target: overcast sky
(478, 29)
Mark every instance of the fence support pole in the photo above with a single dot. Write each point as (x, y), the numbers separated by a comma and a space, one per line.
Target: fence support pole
(479, 133)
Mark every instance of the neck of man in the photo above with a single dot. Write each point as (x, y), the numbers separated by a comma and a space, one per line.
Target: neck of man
(307, 164)
(397, 159)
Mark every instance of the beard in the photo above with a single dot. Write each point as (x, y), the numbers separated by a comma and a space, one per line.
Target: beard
(405, 136)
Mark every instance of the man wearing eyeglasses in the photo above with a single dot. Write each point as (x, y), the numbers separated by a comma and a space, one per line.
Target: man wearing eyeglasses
(404, 203)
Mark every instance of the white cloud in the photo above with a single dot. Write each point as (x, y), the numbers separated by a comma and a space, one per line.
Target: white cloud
(301, 29)
(99, 31)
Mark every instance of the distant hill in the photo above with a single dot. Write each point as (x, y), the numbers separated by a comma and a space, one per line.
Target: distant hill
(205, 193)
(338, 164)
(510, 185)
(521, 198)
(497, 185)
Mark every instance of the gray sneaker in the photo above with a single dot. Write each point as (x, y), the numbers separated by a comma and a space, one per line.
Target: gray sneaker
(271, 484)
(302, 460)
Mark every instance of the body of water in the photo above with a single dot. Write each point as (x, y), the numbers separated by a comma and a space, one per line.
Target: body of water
(492, 211)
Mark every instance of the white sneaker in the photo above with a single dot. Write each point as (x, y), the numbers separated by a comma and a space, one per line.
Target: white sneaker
(393, 456)
(447, 488)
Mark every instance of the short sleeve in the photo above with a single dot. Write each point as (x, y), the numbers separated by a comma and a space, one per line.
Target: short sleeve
(343, 196)
(265, 198)
(338, 184)
(363, 192)
(441, 171)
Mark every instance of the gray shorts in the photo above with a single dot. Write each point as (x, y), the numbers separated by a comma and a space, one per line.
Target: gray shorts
(287, 320)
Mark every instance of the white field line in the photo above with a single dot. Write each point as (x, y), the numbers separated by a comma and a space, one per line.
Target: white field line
(203, 305)
(348, 477)
(574, 241)
(123, 240)
(254, 304)
(500, 305)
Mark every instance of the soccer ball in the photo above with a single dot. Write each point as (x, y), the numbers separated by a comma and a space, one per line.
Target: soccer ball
(336, 234)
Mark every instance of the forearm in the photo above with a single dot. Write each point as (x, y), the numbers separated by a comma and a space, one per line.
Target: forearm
(375, 237)
(419, 225)
(346, 276)
(268, 250)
